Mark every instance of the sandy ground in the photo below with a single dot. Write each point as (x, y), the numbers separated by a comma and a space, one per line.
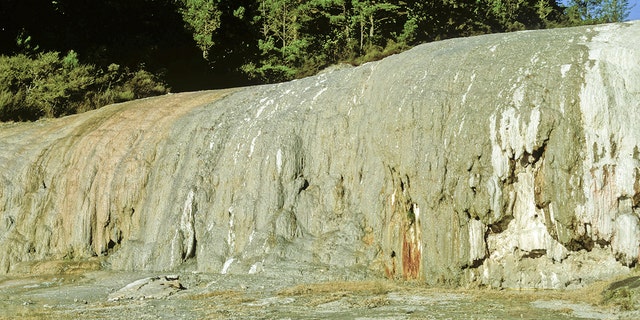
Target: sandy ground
(84, 295)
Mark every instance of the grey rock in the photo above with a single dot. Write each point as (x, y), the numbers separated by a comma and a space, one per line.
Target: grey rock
(159, 287)
(507, 160)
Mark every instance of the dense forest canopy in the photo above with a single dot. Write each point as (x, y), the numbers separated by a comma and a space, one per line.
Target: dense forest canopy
(114, 50)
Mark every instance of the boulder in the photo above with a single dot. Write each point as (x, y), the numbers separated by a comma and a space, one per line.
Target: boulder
(159, 287)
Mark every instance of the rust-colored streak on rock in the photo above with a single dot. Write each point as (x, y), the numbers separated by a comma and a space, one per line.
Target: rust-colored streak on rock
(90, 169)
(411, 255)
(116, 144)
(390, 270)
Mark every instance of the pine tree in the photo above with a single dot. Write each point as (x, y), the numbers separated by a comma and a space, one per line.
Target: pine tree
(203, 18)
(598, 11)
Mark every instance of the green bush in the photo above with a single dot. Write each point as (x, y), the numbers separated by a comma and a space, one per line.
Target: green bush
(46, 86)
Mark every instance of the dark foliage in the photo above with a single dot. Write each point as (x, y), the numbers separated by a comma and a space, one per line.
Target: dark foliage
(206, 44)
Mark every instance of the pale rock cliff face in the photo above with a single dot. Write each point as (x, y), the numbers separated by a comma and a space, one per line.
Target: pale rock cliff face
(507, 160)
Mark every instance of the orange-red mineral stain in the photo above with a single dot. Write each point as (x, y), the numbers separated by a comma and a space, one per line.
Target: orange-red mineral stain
(411, 255)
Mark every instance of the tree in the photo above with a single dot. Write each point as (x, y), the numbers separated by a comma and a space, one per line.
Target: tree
(442, 19)
(615, 10)
(203, 18)
(598, 11)
(281, 45)
(296, 38)
(240, 42)
(367, 15)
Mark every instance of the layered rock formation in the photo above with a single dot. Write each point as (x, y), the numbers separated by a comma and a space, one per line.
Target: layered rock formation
(508, 160)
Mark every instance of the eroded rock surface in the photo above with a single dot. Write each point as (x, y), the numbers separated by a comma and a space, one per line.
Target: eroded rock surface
(157, 287)
(508, 160)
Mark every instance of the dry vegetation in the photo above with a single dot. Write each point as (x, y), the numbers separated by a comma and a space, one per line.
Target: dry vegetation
(73, 294)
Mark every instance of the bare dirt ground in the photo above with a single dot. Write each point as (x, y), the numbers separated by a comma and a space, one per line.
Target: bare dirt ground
(84, 294)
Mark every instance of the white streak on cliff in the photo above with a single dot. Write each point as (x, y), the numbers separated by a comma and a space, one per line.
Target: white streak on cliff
(256, 267)
(518, 95)
(187, 226)
(464, 96)
(512, 140)
(279, 160)
(231, 235)
(253, 143)
(610, 90)
(527, 231)
(264, 103)
(564, 69)
(500, 165)
(477, 247)
(626, 238)
(319, 93)
(227, 265)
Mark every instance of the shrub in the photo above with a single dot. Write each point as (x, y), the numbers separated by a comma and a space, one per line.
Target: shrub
(46, 85)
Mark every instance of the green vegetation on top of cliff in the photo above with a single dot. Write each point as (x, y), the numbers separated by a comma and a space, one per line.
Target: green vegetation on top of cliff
(47, 85)
(205, 44)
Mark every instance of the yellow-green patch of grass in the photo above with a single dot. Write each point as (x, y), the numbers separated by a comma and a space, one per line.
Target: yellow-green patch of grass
(339, 288)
